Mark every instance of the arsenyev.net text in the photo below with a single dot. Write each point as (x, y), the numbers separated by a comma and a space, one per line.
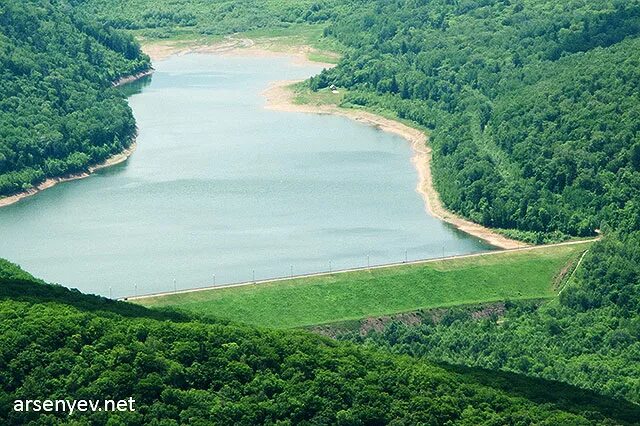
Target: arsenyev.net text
(73, 405)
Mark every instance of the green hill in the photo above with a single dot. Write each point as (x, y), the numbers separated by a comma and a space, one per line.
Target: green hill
(192, 370)
(58, 113)
(589, 336)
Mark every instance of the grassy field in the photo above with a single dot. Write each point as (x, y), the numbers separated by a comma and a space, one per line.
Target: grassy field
(353, 295)
(292, 37)
(302, 95)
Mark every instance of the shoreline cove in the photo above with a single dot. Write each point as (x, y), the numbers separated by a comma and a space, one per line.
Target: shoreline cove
(279, 97)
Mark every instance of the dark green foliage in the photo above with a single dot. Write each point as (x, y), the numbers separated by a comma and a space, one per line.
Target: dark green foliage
(534, 111)
(166, 18)
(19, 285)
(589, 338)
(58, 114)
(10, 271)
(533, 104)
(205, 372)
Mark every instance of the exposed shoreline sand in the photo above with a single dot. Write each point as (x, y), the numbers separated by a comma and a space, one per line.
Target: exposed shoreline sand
(232, 46)
(280, 97)
(111, 161)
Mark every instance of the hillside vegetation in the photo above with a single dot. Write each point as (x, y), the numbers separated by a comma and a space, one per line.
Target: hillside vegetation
(530, 274)
(534, 104)
(179, 18)
(589, 337)
(186, 370)
(58, 114)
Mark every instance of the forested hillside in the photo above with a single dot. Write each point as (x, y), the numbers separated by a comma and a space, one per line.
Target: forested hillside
(169, 18)
(58, 114)
(534, 104)
(189, 370)
(590, 337)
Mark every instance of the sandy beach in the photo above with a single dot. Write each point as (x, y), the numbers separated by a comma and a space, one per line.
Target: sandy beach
(232, 46)
(131, 78)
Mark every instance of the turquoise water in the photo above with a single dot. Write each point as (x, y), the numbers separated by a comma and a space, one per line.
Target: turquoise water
(220, 185)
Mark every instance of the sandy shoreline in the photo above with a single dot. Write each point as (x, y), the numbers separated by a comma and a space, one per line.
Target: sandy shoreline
(280, 97)
(131, 78)
(233, 46)
(111, 161)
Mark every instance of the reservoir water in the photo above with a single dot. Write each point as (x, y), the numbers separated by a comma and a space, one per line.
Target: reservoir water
(220, 185)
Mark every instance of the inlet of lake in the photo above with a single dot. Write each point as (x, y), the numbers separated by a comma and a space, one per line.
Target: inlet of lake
(221, 186)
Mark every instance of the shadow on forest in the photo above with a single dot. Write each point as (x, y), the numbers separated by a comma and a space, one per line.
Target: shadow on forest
(39, 292)
(564, 396)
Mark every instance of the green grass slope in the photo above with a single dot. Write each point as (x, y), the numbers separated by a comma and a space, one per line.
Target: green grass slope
(589, 336)
(192, 370)
(315, 300)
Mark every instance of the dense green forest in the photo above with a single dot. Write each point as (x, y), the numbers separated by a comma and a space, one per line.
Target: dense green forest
(170, 18)
(534, 111)
(58, 113)
(59, 343)
(534, 104)
(590, 337)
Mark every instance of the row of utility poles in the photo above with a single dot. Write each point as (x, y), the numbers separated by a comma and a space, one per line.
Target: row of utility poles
(253, 274)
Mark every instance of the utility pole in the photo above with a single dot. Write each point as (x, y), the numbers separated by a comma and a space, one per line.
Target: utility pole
(110, 295)
(405, 257)
(175, 286)
(291, 271)
(368, 262)
(135, 290)
(254, 276)
(329, 266)
(214, 280)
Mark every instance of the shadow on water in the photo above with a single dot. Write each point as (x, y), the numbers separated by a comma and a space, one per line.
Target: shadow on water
(135, 87)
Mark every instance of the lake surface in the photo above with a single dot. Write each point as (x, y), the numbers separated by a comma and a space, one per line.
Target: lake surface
(220, 185)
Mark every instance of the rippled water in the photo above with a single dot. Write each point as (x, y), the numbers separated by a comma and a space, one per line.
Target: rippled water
(219, 185)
